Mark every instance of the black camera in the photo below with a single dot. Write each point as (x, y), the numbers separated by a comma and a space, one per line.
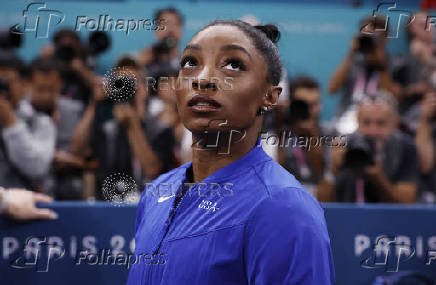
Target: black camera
(367, 43)
(164, 46)
(4, 89)
(65, 53)
(360, 152)
(298, 111)
(10, 39)
(98, 42)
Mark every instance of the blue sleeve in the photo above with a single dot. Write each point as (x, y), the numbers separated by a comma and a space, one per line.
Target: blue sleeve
(287, 241)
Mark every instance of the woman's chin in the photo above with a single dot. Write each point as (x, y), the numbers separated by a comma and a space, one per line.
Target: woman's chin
(203, 124)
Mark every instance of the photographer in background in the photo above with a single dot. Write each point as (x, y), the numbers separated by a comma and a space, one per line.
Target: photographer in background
(65, 179)
(163, 56)
(77, 77)
(364, 70)
(425, 139)
(415, 70)
(27, 141)
(307, 166)
(379, 164)
(122, 136)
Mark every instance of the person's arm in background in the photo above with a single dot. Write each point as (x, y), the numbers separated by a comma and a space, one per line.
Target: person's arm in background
(315, 155)
(339, 76)
(142, 150)
(327, 187)
(31, 152)
(424, 134)
(387, 83)
(19, 204)
(81, 140)
(84, 72)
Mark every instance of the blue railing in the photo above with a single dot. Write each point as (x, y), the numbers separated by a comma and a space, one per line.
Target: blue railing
(98, 226)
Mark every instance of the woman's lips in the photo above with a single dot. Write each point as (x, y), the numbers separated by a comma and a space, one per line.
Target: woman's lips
(203, 104)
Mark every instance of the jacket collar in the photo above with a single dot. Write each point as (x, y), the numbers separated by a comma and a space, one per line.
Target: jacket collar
(255, 156)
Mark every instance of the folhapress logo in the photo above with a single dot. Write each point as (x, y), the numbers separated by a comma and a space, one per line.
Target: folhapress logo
(38, 252)
(38, 19)
(384, 256)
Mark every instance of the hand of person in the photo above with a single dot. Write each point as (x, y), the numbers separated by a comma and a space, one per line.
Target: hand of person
(354, 47)
(64, 159)
(428, 106)
(337, 155)
(307, 128)
(47, 51)
(146, 56)
(124, 114)
(77, 65)
(373, 170)
(21, 205)
(7, 115)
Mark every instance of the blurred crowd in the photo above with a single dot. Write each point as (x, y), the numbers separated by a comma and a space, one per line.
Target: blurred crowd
(63, 134)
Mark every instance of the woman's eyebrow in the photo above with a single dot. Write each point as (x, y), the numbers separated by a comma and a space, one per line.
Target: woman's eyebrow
(193, 46)
(234, 47)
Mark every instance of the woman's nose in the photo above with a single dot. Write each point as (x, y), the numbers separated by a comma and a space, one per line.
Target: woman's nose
(205, 79)
(203, 84)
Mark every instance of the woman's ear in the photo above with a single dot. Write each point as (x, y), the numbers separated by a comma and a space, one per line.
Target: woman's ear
(272, 96)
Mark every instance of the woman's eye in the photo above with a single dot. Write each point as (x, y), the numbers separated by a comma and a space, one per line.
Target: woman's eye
(234, 64)
(188, 62)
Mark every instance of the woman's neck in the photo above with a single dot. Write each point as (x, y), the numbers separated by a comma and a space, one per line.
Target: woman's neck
(206, 160)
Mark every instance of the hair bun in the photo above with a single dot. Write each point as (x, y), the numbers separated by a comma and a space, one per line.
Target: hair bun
(271, 31)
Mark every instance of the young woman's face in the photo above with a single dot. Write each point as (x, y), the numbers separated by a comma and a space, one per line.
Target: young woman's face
(226, 57)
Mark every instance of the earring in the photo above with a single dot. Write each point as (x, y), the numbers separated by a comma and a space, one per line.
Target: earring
(262, 110)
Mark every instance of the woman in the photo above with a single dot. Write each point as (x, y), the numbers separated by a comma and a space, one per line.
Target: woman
(243, 219)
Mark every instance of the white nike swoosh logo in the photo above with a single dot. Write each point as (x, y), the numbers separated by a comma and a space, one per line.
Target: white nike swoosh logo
(163, 199)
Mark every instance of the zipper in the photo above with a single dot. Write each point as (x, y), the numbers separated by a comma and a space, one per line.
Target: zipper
(168, 223)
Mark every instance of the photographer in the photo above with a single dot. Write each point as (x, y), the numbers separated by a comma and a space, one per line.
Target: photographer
(65, 179)
(164, 54)
(306, 166)
(68, 50)
(27, 141)
(425, 139)
(379, 164)
(415, 69)
(122, 136)
(364, 70)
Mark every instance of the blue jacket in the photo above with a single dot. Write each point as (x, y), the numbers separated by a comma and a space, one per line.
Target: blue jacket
(250, 222)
